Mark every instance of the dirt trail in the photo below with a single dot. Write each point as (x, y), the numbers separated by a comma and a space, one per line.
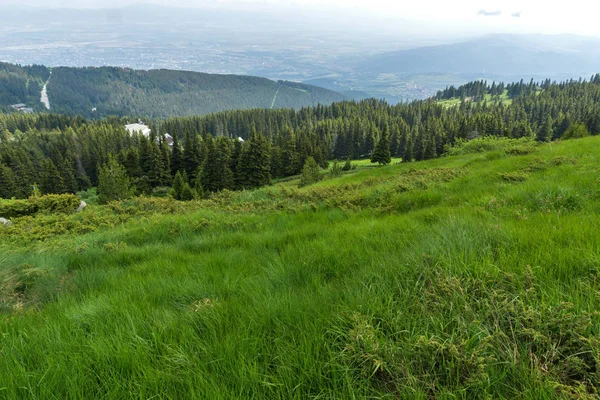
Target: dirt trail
(275, 97)
(44, 98)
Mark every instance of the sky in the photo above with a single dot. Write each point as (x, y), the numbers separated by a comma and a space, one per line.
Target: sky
(484, 16)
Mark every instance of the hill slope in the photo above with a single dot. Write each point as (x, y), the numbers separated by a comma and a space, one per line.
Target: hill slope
(154, 93)
(508, 55)
(466, 276)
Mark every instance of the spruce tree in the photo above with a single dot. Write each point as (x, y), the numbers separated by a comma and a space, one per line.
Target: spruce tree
(187, 193)
(311, 173)
(113, 182)
(50, 181)
(198, 184)
(254, 169)
(408, 154)
(289, 154)
(176, 157)
(216, 174)
(381, 154)
(7, 183)
(234, 162)
(545, 133)
(191, 154)
(153, 165)
(369, 144)
(178, 183)
(67, 171)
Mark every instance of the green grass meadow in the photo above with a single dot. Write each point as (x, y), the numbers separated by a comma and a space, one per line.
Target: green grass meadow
(471, 276)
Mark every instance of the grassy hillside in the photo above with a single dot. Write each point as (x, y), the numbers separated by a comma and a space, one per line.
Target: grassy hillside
(159, 93)
(471, 276)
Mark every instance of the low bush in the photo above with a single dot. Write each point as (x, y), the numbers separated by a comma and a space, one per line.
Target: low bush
(57, 203)
(487, 143)
(521, 150)
(17, 208)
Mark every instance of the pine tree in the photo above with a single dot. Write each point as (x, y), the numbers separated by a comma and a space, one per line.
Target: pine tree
(153, 165)
(234, 163)
(198, 184)
(430, 151)
(545, 133)
(67, 171)
(7, 183)
(369, 144)
(113, 182)
(277, 170)
(130, 159)
(187, 193)
(408, 154)
(216, 174)
(381, 154)
(191, 154)
(51, 182)
(178, 183)
(289, 154)
(176, 157)
(165, 152)
(311, 173)
(254, 169)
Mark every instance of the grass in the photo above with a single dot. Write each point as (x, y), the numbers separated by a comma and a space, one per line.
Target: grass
(503, 98)
(472, 276)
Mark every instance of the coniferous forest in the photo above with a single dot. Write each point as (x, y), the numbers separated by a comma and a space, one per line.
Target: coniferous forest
(238, 150)
(100, 92)
(446, 248)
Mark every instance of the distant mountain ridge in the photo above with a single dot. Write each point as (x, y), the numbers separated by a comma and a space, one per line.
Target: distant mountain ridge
(95, 92)
(513, 55)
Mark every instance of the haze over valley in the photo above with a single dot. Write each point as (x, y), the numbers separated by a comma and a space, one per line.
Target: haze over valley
(359, 56)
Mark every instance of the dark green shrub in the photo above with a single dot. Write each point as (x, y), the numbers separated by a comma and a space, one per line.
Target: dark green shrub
(347, 165)
(161, 191)
(17, 208)
(576, 131)
(336, 169)
(187, 193)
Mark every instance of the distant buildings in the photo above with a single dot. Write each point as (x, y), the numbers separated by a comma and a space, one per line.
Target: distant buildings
(23, 108)
(138, 128)
(146, 131)
(169, 140)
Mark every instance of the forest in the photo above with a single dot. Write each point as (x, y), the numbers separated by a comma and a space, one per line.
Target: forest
(21, 84)
(109, 91)
(238, 150)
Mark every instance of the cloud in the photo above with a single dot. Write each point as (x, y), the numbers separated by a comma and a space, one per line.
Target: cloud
(487, 13)
(516, 14)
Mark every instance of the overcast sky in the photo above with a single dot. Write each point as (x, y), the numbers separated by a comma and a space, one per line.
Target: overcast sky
(540, 16)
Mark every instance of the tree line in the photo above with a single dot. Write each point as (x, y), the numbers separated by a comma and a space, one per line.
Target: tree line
(238, 150)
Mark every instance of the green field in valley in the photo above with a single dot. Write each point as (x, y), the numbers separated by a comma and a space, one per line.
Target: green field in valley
(469, 276)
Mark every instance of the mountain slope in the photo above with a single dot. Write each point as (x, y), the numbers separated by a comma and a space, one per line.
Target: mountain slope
(444, 278)
(154, 93)
(526, 55)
